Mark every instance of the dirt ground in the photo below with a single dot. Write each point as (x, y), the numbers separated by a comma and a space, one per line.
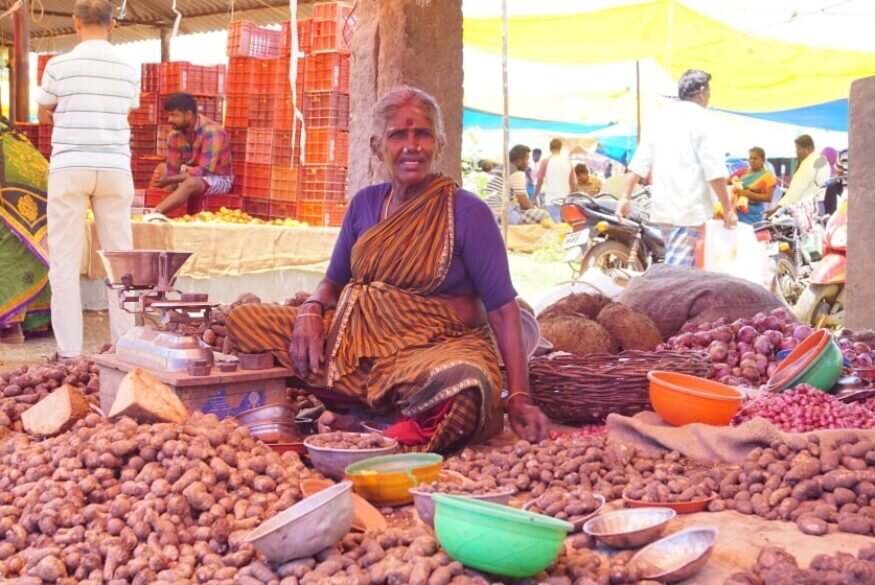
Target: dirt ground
(37, 350)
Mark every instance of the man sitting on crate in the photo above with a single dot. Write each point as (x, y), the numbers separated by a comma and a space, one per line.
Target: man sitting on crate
(198, 155)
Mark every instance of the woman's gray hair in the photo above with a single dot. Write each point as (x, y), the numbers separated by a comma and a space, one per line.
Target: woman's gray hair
(407, 96)
(93, 12)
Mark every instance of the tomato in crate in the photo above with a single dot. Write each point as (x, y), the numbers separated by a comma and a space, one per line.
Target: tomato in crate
(257, 207)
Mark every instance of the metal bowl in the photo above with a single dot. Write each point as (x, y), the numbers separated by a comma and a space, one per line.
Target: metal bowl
(145, 267)
(577, 521)
(277, 412)
(424, 503)
(333, 462)
(306, 528)
(629, 528)
(274, 432)
(677, 556)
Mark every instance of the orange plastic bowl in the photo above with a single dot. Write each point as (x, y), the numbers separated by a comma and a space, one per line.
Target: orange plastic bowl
(681, 399)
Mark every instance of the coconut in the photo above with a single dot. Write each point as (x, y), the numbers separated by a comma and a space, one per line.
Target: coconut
(631, 328)
(578, 335)
(577, 304)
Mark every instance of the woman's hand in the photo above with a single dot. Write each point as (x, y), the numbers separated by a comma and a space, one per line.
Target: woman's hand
(308, 340)
(526, 419)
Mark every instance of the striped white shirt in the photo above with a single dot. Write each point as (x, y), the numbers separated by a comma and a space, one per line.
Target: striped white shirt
(92, 90)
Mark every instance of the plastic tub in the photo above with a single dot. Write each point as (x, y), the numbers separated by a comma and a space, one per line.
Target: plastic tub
(682, 399)
(497, 539)
(386, 481)
(795, 364)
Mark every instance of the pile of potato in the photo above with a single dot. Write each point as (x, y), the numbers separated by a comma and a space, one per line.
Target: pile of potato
(806, 481)
(346, 440)
(470, 488)
(664, 487)
(123, 502)
(23, 387)
(564, 504)
(578, 564)
(776, 566)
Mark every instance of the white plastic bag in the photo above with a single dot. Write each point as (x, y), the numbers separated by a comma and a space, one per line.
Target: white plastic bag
(736, 252)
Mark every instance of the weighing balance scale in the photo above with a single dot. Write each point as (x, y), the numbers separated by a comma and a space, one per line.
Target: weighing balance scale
(162, 342)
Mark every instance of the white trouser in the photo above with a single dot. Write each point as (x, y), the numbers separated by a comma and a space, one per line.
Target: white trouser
(69, 192)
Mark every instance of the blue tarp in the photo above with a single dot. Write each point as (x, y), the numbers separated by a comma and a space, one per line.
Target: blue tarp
(490, 121)
(828, 116)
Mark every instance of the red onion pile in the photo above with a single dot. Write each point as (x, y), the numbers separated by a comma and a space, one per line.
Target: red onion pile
(859, 353)
(743, 351)
(805, 408)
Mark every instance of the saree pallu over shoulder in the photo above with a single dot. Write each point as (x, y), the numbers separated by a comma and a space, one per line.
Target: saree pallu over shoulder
(386, 318)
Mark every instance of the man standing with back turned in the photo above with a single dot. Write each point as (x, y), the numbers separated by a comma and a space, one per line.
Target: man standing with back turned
(87, 94)
(687, 164)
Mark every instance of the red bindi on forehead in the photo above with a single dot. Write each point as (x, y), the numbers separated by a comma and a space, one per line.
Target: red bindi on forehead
(409, 122)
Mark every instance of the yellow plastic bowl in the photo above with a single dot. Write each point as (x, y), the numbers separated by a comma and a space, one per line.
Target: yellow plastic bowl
(386, 480)
(681, 399)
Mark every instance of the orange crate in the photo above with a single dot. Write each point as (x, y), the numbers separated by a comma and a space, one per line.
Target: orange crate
(284, 184)
(150, 77)
(250, 75)
(249, 110)
(148, 112)
(144, 139)
(237, 141)
(154, 196)
(256, 206)
(304, 37)
(246, 39)
(143, 166)
(326, 109)
(164, 132)
(283, 209)
(259, 145)
(281, 85)
(211, 107)
(333, 26)
(256, 180)
(216, 202)
(284, 152)
(327, 72)
(322, 183)
(328, 213)
(327, 146)
(29, 129)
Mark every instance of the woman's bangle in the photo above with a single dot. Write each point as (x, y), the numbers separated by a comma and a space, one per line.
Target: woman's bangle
(518, 393)
(314, 302)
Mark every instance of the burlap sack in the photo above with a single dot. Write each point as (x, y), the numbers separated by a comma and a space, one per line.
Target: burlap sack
(648, 433)
(673, 295)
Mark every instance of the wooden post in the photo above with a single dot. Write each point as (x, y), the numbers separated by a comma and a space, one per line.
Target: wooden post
(165, 45)
(20, 78)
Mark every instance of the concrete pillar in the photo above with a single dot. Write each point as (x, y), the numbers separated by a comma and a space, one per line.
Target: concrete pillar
(165, 44)
(860, 312)
(405, 42)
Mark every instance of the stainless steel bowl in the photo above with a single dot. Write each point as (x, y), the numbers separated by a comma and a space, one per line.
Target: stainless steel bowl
(424, 503)
(677, 556)
(145, 267)
(629, 528)
(271, 413)
(275, 432)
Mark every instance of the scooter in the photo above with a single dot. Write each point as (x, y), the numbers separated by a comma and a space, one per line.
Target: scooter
(822, 303)
(791, 262)
(601, 240)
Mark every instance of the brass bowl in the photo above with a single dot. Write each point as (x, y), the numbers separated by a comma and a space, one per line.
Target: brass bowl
(677, 556)
(629, 528)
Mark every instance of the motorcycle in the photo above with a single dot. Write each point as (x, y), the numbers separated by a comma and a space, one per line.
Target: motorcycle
(599, 239)
(822, 303)
(792, 263)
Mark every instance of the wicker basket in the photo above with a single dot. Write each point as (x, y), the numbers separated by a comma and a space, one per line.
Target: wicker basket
(571, 388)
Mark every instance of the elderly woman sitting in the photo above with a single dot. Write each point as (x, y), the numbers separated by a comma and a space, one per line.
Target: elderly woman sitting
(403, 321)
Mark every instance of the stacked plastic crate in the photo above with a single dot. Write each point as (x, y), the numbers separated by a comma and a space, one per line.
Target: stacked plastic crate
(40, 135)
(322, 194)
(259, 119)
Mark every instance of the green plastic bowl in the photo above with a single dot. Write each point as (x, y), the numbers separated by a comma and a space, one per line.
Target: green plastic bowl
(825, 370)
(497, 539)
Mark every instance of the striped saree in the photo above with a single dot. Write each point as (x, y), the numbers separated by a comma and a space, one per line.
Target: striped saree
(390, 345)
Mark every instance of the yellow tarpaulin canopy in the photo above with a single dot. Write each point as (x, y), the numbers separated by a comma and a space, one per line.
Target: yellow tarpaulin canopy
(751, 73)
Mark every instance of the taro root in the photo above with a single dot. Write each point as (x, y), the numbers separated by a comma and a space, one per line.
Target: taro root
(577, 335)
(583, 304)
(632, 329)
(345, 440)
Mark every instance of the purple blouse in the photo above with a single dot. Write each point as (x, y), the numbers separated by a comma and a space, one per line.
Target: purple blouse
(479, 258)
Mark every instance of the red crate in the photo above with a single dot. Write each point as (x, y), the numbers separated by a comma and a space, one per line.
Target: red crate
(211, 107)
(45, 140)
(305, 35)
(144, 139)
(256, 180)
(30, 130)
(150, 77)
(182, 76)
(216, 202)
(248, 110)
(251, 75)
(153, 197)
(327, 72)
(322, 183)
(327, 146)
(164, 132)
(257, 207)
(284, 184)
(326, 109)
(237, 142)
(41, 61)
(214, 79)
(284, 152)
(142, 167)
(283, 209)
(149, 111)
(246, 39)
(259, 145)
(333, 26)
(328, 213)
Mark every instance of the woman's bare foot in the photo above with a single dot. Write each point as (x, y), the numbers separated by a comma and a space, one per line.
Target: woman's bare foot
(331, 421)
